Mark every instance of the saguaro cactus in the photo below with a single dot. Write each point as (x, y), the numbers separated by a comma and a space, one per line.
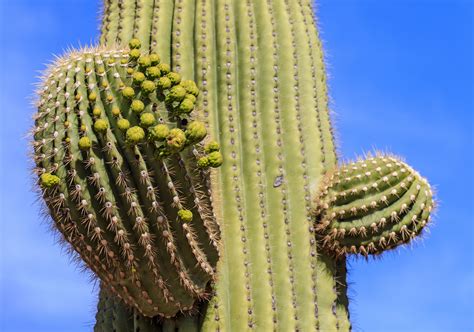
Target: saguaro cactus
(126, 153)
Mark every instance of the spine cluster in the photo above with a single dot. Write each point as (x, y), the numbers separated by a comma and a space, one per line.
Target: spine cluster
(123, 169)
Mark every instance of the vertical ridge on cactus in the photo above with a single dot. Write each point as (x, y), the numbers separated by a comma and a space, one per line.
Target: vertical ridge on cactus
(259, 243)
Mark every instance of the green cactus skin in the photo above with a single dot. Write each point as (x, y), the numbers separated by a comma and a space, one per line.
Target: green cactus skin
(372, 205)
(263, 97)
(113, 315)
(118, 196)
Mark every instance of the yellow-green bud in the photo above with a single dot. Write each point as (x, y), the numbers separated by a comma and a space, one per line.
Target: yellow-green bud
(203, 162)
(196, 131)
(115, 111)
(144, 61)
(190, 87)
(154, 59)
(138, 77)
(101, 125)
(153, 72)
(159, 132)
(176, 139)
(134, 54)
(164, 68)
(215, 159)
(190, 97)
(128, 92)
(148, 86)
(185, 215)
(135, 135)
(211, 147)
(84, 143)
(164, 83)
(134, 43)
(186, 106)
(92, 96)
(96, 111)
(123, 124)
(174, 77)
(49, 180)
(177, 93)
(147, 119)
(130, 71)
(137, 106)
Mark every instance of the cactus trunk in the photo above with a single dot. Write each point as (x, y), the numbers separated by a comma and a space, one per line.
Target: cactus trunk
(260, 68)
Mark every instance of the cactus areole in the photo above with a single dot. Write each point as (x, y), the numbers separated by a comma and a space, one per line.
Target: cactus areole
(189, 161)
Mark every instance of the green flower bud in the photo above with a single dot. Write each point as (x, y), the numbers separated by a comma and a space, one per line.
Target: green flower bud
(134, 54)
(92, 96)
(144, 61)
(186, 106)
(153, 72)
(174, 77)
(84, 143)
(190, 87)
(164, 68)
(215, 159)
(176, 139)
(134, 43)
(147, 119)
(137, 106)
(49, 180)
(135, 135)
(196, 131)
(115, 111)
(154, 59)
(101, 125)
(164, 83)
(148, 86)
(203, 162)
(190, 97)
(123, 124)
(185, 215)
(159, 132)
(128, 92)
(138, 77)
(177, 93)
(211, 147)
(96, 111)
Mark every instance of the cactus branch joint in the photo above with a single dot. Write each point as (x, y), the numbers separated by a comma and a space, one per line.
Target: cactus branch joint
(189, 162)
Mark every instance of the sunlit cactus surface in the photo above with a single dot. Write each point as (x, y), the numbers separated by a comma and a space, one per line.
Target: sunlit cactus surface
(188, 160)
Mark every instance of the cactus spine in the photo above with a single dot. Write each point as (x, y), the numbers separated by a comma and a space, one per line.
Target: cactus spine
(287, 215)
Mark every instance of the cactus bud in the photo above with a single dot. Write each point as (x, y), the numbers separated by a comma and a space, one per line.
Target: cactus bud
(134, 43)
(135, 135)
(159, 132)
(215, 159)
(101, 125)
(49, 180)
(137, 106)
(128, 92)
(196, 131)
(147, 119)
(84, 143)
(123, 124)
(185, 215)
(176, 139)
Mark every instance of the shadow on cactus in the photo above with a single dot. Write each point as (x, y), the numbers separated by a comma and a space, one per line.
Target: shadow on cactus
(206, 194)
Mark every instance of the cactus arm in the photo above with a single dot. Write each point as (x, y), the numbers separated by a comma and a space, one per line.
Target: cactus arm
(372, 205)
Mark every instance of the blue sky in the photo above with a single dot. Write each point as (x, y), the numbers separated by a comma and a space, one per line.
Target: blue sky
(401, 80)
